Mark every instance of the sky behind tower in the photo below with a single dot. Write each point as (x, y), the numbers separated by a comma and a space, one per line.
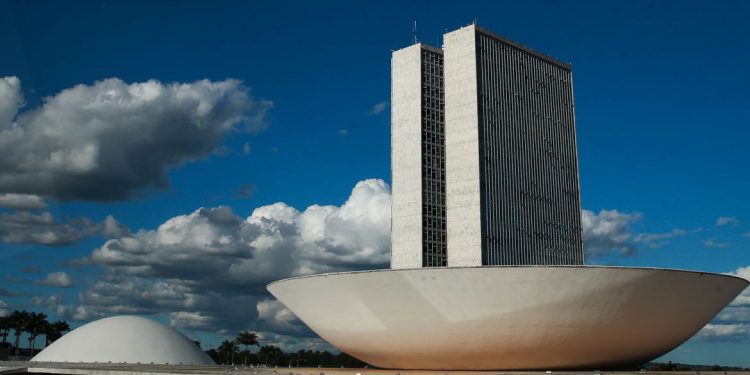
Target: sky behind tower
(169, 159)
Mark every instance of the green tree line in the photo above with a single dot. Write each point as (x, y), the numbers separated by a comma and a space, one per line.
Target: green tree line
(229, 353)
(32, 323)
(233, 352)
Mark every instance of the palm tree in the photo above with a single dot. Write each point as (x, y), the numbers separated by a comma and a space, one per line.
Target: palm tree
(35, 326)
(4, 328)
(18, 322)
(271, 354)
(300, 353)
(56, 330)
(247, 338)
(229, 348)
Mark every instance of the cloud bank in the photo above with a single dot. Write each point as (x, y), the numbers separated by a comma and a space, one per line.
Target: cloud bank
(208, 269)
(106, 140)
(732, 323)
(22, 201)
(25, 227)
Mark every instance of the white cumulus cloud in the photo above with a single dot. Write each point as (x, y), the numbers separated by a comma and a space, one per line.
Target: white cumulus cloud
(43, 229)
(715, 244)
(725, 332)
(3, 308)
(377, 108)
(276, 317)
(22, 201)
(656, 240)
(11, 100)
(111, 228)
(726, 220)
(24, 227)
(607, 232)
(210, 267)
(743, 300)
(733, 322)
(59, 279)
(106, 140)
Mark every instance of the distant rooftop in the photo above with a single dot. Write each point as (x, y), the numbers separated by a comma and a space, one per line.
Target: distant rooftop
(550, 59)
(522, 47)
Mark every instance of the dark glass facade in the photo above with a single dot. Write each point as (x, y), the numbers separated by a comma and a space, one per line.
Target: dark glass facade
(531, 213)
(434, 242)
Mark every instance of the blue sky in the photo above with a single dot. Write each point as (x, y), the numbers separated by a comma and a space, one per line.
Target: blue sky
(661, 92)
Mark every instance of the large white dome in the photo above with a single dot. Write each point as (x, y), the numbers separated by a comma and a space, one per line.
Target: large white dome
(124, 339)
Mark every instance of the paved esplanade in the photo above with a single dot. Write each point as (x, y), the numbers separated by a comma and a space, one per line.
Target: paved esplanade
(23, 367)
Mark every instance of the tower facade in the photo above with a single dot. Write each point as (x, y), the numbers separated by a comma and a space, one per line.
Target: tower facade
(418, 216)
(510, 167)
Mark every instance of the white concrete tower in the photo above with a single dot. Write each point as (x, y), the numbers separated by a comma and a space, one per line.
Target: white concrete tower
(512, 191)
(417, 158)
(464, 216)
(484, 157)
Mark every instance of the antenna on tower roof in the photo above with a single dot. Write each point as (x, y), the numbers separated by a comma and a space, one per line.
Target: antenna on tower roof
(414, 32)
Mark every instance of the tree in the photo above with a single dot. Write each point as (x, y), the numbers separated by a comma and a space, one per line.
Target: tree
(271, 354)
(4, 328)
(18, 322)
(247, 338)
(35, 326)
(300, 355)
(228, 349)
(56, 330)
(215, 355)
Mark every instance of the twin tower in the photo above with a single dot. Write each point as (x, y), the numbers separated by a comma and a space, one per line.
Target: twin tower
(484, 156)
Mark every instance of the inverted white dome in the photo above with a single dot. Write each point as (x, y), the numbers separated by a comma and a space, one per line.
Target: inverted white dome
(508, 318)
(124, 339)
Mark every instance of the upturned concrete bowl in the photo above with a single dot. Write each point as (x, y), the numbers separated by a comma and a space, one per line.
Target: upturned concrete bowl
(508, 318)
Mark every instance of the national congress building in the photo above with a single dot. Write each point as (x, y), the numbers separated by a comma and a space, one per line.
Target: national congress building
(484, 157)
(487, 262)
